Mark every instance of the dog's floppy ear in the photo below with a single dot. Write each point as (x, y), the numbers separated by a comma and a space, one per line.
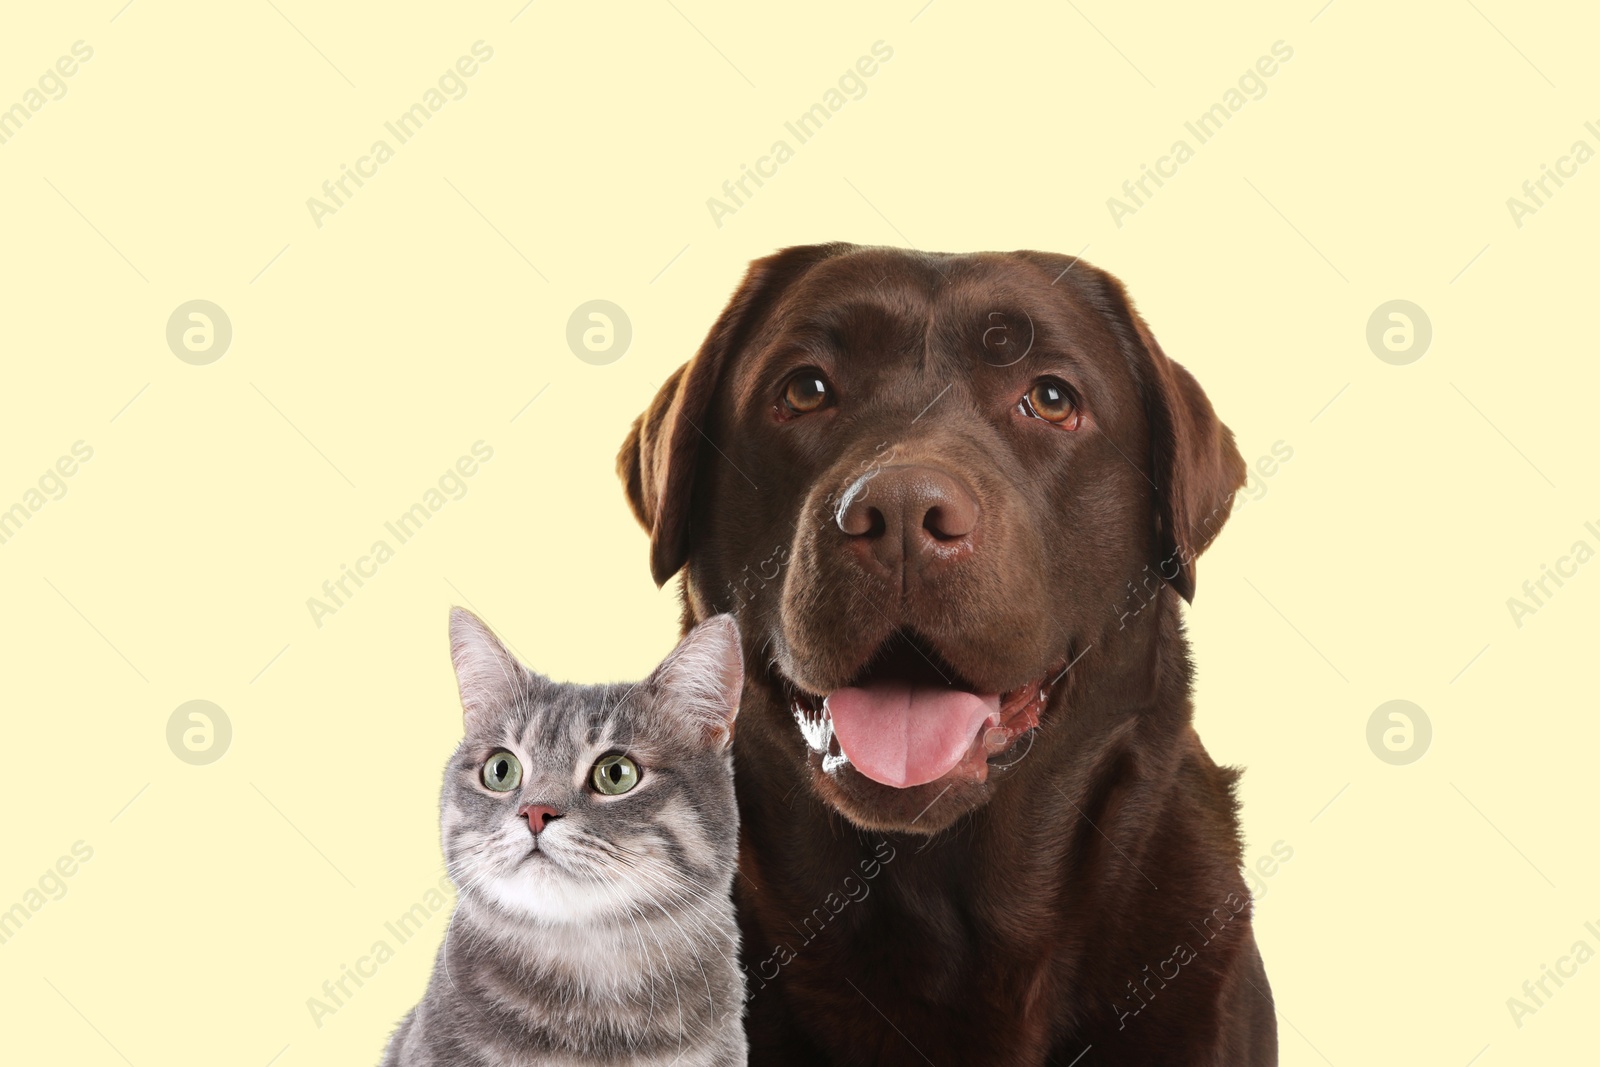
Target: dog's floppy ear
(661, 454)
(1194, 464)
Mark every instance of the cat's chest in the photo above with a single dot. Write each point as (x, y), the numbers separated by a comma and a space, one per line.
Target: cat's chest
(646, 990)
(562, 963)
(570, 977)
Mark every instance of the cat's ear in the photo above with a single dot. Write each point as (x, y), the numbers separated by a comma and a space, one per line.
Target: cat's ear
(487, 674)
(703, 677)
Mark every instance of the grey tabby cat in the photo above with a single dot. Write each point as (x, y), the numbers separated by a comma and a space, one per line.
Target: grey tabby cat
(591, 833)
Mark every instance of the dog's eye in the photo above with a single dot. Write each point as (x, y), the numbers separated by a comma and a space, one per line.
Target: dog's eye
(1050, 399)
(806, 391)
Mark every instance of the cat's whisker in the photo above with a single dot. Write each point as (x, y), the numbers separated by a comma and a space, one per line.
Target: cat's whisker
(630, 911)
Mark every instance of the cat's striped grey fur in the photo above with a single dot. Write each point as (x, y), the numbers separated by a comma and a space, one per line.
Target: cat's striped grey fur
(608, 937)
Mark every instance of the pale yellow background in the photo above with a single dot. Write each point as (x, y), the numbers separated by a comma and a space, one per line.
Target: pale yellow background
(370, 353)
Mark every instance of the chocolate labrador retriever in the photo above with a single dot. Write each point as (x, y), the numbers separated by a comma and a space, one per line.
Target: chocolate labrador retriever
(954, 501)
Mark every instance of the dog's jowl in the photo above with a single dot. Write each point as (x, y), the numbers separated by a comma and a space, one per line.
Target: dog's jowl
(955, 502)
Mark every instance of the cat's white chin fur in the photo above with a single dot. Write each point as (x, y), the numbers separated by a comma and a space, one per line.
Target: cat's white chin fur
(538, 889)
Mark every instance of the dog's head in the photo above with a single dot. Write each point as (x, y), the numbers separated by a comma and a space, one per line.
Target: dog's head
(924, 483)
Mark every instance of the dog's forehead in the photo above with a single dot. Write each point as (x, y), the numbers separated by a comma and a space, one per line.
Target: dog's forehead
(916, 305)
(924, 283)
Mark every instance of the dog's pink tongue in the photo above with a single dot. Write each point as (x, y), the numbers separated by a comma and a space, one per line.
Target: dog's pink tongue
(904, 735)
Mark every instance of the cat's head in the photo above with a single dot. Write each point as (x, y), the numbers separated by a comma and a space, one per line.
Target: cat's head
(576, 802)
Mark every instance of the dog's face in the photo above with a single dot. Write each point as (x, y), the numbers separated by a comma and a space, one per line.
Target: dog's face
(925, 484)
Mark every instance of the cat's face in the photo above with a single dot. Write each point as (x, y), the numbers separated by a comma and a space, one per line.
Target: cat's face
(569, 803)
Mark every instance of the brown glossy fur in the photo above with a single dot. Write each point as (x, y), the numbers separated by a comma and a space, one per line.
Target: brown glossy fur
(1088, 892)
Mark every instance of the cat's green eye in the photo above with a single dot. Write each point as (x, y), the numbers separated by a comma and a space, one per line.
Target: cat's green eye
(502, 773)
(614, 775)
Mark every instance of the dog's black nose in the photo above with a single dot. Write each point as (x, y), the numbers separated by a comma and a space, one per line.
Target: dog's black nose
(907, 513)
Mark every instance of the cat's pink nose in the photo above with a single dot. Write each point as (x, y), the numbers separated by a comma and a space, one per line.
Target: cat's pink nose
(539, 815)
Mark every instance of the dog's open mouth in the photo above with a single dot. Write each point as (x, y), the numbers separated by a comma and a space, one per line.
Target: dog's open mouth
(909, 718)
